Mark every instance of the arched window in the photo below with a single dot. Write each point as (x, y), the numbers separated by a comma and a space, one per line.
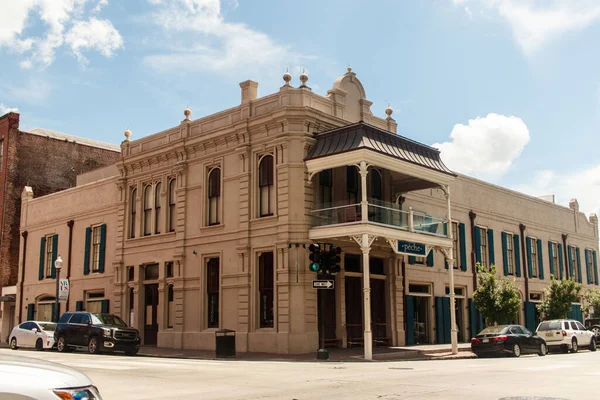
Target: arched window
(376, 185)
(157, 213)
(148, 210)
(265, 186)
(45, 309)
(132, 210)
(170, 307)
(214, 196)
(172, 205)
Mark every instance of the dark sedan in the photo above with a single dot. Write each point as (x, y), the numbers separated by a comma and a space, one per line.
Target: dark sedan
(507, 339)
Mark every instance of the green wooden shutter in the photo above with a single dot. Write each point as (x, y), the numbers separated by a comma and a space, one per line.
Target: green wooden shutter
(446, 314)
(540, 259)
(439, 320)
(550, 259)
(477, 244)
(472, 321)
(54, 255)
(105, 306)
(490, 233)
(30, 312)
(578, 264)
(53, 317)
(412, 259)
(410, 321)
(517, 249)
(102, 248)
(79, 305)
(463, 246)
(86, 254)
(430, 258)
(446, 234)
(42, 253)
(595, 267)
(504, 253)
(588, 272)
(571, 266)
(561, 263)
(529, 266)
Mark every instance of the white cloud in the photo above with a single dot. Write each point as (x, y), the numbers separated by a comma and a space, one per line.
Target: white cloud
(5, 110)
(214, 44)
(94, 34)
(535, 23)
(34, 90)
(487, 147)
(57, 16)
(101, 4)
(583, 184)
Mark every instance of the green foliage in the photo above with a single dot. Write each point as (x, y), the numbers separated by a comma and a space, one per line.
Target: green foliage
(592, 299)
(496, 299)
(558, 298)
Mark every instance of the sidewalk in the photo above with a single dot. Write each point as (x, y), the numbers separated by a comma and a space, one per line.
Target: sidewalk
(405, 353)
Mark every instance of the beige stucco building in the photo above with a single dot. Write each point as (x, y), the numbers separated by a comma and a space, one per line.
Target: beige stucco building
(207, 225)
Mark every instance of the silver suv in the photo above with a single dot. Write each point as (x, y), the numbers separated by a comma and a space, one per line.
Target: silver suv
(566, 334)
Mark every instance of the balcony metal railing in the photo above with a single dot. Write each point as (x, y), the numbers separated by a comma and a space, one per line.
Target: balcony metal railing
(382, 213)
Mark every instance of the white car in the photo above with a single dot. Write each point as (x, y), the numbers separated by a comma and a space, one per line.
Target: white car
(32, 378)
(33, 334)
(566, 334)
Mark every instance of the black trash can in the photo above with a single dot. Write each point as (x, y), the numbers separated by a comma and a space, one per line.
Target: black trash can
(225, 343)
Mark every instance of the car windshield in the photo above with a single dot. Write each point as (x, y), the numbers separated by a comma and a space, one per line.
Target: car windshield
(47, 326)
(493, 330)
(549, 326)
(106, 319)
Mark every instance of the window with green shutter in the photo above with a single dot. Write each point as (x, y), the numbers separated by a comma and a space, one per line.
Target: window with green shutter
(579, 278)
(517, 247)
(553, 257)
(561, 265)
(463, 246)
(540, 255)
(595, 261)
(490, 244)
(508, 254)
(42, 258)
(531, 257)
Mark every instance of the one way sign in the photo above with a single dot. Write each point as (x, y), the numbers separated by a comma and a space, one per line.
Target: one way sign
(323, 284)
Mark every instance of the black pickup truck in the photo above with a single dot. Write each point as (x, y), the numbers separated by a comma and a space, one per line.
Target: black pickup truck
(96, 332)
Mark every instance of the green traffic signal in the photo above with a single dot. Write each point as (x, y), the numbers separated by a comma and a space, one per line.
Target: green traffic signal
(313, 267)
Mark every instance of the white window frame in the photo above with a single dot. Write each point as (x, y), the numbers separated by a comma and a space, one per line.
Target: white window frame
(555, 260)
(535, 268)
(510, 252)
(483, 246)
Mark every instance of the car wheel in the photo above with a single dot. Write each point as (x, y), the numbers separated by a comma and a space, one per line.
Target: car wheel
(131, 352)
(61, 345)
(13, 343)
(516, 350)
(39, 345)
(543, 350)
(596, 330)
(93, 346)
(574, 346)
(593, 344)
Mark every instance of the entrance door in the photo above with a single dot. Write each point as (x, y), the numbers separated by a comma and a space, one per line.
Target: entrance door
(329, 296)
(354, 321)
(417, 319)
(151, 315)
(378, 311)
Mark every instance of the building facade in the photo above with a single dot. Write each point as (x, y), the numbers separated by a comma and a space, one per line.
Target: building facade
(206, 226)
(50, 162)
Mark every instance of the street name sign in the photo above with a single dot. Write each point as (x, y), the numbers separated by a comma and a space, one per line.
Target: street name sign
(63, 291)
(412, 248)
(323, 284)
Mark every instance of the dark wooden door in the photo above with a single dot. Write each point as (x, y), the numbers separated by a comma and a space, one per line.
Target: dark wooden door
(378, 310)
(354, 317)
(328, 295)
(151, 315)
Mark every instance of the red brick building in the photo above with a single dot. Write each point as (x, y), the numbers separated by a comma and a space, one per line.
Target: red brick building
(48, 162)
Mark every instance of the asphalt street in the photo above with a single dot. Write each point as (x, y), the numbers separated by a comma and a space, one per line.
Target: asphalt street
(555, 376)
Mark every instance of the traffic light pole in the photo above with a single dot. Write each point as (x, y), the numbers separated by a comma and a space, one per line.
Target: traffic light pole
(322, 353)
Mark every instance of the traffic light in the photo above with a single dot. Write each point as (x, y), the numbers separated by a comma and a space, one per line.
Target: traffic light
(314, 257)
(335, 260)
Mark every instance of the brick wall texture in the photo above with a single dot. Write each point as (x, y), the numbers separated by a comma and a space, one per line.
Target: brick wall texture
(48, 166)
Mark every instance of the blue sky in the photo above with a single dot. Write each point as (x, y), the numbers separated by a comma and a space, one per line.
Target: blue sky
(509, 90)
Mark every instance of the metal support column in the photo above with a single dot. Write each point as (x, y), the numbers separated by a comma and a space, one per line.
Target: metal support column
(453, 330)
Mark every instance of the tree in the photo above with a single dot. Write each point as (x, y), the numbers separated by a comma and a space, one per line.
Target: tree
(592, 301)
(559, 297)
(496, 299)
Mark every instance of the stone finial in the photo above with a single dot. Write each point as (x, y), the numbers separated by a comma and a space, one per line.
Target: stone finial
(127, 134)
(303, 78)
(574, 205)
(594, 218)
(349, 69)
(388, 111)
(287, 77)
(187, 112)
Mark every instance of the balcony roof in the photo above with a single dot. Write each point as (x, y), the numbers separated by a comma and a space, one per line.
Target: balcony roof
(364, 136)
